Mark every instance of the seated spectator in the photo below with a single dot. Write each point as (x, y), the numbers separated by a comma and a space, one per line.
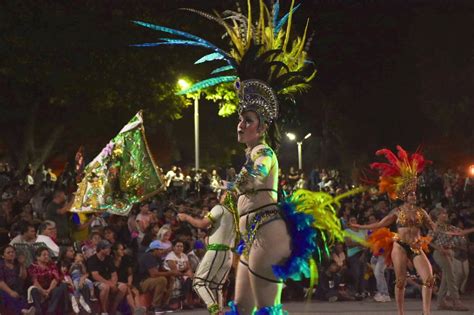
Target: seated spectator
(27, 234)
(201, 235)
(176, 260)
(75, 296)
(110, 235)
(148, 237)
(104, 275)
(89, 248)
(144, 218)
(6, 214)
(47, 235)
(124, 265)
(79, 276)
(152, 278)
(164, 236)
(196, 255)
(66, 254)
(12, 276)
(339, 256)
(332, 287)
(47, 288)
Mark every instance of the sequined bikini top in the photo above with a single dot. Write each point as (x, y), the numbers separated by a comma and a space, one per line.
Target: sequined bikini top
(406, 219)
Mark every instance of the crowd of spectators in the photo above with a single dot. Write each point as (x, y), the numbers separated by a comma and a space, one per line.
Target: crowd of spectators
(54, 261)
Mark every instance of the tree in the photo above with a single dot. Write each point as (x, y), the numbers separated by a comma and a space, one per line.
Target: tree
(66, 76)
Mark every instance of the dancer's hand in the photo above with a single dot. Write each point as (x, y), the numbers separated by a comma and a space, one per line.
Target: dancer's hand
(355, 225)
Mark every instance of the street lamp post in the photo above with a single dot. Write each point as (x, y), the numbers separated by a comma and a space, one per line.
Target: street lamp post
(184, 85)
(300, 154)
(292, 137)
(196, 132)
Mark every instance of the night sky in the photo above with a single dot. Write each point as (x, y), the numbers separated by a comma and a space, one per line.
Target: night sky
(389, 72)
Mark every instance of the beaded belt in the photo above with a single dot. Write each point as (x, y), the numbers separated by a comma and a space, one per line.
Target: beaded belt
(260, 219)
(218, 247)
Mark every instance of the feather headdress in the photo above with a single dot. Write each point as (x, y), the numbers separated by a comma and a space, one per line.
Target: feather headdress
(267, 66)
(399, 176)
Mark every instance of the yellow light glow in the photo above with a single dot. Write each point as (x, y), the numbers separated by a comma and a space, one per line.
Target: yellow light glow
(183, 84)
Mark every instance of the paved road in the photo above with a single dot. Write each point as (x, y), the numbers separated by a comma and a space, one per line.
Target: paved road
(366, 307)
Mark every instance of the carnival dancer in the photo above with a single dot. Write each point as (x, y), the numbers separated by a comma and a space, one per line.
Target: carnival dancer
(267, 69)
(399, 180)
(212, 272)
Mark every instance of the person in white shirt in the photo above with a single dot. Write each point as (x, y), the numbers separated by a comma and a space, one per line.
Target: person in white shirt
(46, 235)
(177, 260)
(170, 175)
(27, 235)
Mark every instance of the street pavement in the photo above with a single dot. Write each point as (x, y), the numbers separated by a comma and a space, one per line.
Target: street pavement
(366, 307)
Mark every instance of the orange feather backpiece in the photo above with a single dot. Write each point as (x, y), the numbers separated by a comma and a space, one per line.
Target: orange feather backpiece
(381, 243)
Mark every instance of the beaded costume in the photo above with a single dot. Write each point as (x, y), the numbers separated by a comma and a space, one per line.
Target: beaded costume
(267, 69)
(399, 178)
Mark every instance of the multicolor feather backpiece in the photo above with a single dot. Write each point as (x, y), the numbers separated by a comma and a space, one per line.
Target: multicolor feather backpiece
(261, 49)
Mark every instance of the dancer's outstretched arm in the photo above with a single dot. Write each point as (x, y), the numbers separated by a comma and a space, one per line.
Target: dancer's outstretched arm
(199, 223)
(386, 221)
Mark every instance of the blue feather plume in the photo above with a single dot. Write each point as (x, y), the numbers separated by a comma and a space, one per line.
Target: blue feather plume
(222, 69)
(173, 31)
(276, 10)
(303, 244)
(210, 57)
(171, 42)
(208, 83)
(285, 19)
(204, 43)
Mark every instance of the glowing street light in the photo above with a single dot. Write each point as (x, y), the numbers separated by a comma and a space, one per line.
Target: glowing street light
(292, 137)
(471, 170)
(184, 84)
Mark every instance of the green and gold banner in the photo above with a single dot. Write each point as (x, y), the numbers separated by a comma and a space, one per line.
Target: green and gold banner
(123, 174)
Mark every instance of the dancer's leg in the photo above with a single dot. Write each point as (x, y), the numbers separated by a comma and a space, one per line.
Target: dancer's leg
(243, 292)
(272, 247)
(399, 259)
(423, 267)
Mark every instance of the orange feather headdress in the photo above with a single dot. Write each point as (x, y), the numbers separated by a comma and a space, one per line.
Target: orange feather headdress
(399, 176)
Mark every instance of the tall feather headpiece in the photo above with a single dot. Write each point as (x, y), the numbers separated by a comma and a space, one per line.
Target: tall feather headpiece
(399, 176)
(267, 66)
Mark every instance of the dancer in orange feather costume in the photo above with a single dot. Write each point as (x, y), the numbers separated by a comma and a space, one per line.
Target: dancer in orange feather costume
(398, 179)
